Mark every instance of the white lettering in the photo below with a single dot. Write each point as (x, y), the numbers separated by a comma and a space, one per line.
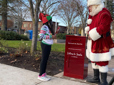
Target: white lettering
(74, 49)
(75, 43)
(79, 54)
(74, 56)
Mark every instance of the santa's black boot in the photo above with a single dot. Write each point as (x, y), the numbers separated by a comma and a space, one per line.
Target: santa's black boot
(103, 79)
(95, 79)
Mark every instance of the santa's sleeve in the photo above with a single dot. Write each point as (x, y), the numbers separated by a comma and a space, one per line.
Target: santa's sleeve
(89, 21)
(103, 27)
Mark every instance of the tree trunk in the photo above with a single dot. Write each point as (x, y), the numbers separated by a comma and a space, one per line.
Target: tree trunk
(35, 19)
(68, 29)
(83, 20)
(4, 21)
(106, 3)
(19, 26)
(34, 37)
(4, 15)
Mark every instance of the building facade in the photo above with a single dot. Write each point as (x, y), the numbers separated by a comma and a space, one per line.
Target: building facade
(28, 25)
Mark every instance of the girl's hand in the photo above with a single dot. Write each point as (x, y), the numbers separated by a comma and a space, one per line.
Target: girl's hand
(53, 36)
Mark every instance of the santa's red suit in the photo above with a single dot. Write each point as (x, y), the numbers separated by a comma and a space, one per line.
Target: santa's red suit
(100, 48)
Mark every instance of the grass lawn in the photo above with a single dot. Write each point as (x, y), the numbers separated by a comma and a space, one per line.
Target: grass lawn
(15, 44)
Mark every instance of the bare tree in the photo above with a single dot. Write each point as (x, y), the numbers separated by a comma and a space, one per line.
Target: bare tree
(83, 13)
(34, 7)
(4, 14)
(49, 7)
(4, 7)
(19, 13)
(68, 13)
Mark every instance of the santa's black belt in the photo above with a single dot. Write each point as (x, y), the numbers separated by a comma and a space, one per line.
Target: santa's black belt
(106, 35)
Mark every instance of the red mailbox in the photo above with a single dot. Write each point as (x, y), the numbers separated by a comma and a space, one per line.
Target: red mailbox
(75, 63)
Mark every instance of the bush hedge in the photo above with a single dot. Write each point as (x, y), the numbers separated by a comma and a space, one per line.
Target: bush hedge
(61, 36)
(10, 35)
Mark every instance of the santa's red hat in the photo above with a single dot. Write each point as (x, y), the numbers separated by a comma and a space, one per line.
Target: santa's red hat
(94, 2)
(44, 17)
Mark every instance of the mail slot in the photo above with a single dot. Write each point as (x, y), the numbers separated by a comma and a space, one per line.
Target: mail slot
(75, 62)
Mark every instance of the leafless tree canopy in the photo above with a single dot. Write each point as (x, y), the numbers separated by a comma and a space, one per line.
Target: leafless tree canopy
(18, 12)
(70, 11)
(35, 7)
(49, 7)
(83, 13)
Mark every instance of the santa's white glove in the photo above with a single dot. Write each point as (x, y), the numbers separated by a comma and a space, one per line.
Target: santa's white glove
(89, 21)
(87, 29)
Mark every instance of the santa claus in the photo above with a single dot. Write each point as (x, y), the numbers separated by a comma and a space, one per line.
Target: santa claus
(100, 46)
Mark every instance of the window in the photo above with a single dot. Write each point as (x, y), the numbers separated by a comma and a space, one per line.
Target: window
(25, 25)
(30, 25)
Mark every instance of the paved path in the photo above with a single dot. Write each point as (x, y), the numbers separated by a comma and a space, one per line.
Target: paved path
(10, 75)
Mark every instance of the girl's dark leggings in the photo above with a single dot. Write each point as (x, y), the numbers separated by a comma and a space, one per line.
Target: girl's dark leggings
(45, 55)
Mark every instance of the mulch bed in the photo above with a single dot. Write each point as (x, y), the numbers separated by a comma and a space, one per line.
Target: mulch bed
(26, 61)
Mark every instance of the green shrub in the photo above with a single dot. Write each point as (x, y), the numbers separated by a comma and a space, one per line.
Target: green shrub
(24, 47)
(24, 37)
(3, 49)
(61, 36)
(10, 35)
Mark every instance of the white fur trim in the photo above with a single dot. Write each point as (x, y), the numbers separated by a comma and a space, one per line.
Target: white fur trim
(88, 50)
(94, 34)
(87, 29)
(94, 2)
(103, 69)
(112, 51)
(87, 54)
(95, 66)
(89, 21)
(97, 10)
(100, 56)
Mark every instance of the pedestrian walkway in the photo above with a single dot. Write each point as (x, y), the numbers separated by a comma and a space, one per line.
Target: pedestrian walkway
(10, 75)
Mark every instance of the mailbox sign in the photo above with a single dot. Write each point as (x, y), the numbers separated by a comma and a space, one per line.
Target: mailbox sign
(75, 63)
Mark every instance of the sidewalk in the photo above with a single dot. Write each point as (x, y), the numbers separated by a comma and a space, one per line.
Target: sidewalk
(16, 76)
(90, 74)
(10, 75)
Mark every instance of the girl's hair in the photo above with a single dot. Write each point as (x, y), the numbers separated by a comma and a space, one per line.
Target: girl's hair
(50, 28)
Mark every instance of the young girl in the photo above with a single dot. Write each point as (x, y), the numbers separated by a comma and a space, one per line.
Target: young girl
(46, 35)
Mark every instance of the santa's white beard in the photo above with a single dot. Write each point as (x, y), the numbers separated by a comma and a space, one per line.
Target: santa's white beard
(93, 10)
(96, 10)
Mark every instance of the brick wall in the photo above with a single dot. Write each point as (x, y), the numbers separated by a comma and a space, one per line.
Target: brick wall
(27, 25)
(9, 24)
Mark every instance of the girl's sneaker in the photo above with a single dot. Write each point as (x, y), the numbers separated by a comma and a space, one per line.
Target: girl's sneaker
(43, 77)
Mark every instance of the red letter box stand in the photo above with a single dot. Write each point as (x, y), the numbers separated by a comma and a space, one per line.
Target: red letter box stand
(75, 63)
